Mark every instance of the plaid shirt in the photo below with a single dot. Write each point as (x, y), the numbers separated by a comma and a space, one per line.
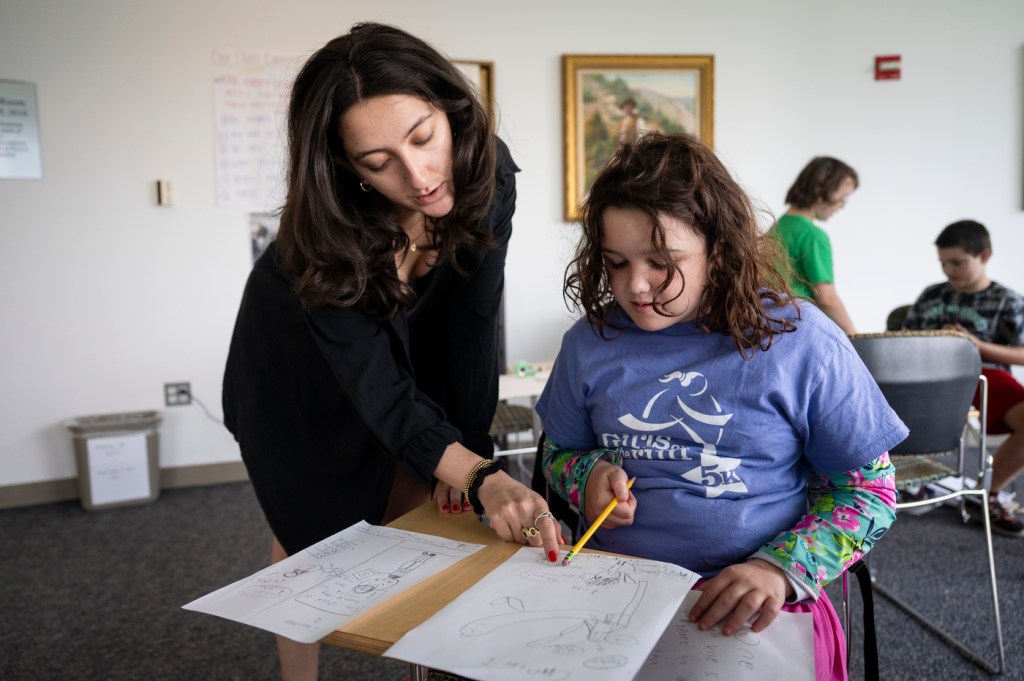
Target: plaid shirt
(995, 315)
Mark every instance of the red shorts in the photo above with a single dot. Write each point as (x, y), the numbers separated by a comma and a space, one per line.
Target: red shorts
(1004, 393)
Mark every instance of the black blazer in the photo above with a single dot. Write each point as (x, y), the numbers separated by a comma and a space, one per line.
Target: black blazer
(324, 403)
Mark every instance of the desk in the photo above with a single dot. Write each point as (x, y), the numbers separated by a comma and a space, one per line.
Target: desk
(512, 386)
(377, 630)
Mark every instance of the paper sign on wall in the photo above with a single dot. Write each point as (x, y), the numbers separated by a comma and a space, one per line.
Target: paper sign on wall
(19, 132)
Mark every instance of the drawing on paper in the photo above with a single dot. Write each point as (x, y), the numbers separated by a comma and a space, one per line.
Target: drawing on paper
(598, 618)
(315, 591)
(350, 591)
(784, 650)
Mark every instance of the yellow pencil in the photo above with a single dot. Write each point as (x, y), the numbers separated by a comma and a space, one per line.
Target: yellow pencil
(593, 528)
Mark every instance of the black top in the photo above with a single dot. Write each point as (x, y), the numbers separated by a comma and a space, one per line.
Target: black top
(325, 402)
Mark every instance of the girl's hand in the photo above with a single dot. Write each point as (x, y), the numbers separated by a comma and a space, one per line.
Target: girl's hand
(449, 499)
(607, 482)
(739, 592)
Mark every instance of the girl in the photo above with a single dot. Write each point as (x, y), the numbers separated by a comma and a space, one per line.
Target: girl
(364, 361)
(695, 371)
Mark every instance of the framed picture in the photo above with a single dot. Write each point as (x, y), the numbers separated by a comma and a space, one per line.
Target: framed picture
(480, 74)
(609, 99)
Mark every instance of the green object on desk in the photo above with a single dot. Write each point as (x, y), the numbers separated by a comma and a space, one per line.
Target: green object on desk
(523, 369)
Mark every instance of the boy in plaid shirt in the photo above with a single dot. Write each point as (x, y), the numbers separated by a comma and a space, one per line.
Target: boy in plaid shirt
(993, 316)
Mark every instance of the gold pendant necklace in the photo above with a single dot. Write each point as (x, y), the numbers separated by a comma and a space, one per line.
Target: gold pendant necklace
(412, 242)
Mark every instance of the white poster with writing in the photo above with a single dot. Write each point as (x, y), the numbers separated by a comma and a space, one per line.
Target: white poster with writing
(250, 104)
(19, 132)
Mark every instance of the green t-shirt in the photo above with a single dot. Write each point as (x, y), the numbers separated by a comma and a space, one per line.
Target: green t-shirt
(809, 250)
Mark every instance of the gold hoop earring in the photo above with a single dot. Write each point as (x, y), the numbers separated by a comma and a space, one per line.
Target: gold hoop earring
(365, 187)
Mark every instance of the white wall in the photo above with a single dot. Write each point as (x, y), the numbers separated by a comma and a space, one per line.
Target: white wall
(105, 297)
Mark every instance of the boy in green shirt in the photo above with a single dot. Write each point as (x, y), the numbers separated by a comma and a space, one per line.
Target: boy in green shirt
(820, 190)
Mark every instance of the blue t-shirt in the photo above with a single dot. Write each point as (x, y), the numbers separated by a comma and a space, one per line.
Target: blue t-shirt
(721, 446)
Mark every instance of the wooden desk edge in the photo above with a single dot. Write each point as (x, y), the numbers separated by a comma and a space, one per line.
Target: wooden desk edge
(377, 630)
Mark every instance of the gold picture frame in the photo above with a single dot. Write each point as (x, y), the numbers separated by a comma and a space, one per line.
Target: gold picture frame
(481, 75)
(611, 97)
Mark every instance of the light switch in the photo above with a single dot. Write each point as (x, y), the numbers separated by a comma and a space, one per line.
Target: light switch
(163, 193)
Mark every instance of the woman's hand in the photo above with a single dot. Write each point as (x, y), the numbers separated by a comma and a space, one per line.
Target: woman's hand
(607, 482)
(739, 592)
(512, 507)
(449, 499)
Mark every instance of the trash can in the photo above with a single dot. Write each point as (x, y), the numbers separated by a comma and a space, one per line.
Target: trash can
(118, 458)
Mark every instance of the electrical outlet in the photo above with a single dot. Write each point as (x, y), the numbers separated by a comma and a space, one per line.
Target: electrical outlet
(177, 394)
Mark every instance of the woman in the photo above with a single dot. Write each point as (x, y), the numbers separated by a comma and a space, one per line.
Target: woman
(364, 358)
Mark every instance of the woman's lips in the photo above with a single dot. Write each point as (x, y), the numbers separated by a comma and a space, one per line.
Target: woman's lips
(432, 196)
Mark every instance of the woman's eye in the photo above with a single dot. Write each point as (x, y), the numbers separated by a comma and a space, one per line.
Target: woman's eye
(615, 265)
(377, 168)
(423, 141)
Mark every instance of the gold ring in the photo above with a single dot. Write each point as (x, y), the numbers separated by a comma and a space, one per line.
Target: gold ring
(530, 532)
(545, 514)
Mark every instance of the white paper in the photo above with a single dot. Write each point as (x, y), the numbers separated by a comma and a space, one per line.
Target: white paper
(19, 132)
(313, 592)
(118, 468)
(785, 650)
(596, 619)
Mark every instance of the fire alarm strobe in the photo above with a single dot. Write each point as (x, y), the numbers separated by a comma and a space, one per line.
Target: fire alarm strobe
(887, 67)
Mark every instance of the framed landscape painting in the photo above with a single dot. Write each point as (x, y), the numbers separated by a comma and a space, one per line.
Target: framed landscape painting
(611, 99)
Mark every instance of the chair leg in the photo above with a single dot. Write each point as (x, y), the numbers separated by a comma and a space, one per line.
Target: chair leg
(846, 614)
(863, 574)
(949, 640)
(992, 577)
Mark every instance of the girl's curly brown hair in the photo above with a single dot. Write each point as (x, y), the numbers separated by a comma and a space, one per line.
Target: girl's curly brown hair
(678, 175)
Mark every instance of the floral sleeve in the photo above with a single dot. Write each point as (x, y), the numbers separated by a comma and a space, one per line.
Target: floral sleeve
(567, 470)
(850, 512)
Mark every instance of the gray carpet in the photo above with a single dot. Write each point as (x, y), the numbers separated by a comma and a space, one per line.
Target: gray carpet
(98, 594)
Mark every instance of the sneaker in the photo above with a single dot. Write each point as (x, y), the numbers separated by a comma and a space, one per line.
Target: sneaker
(1003, 519)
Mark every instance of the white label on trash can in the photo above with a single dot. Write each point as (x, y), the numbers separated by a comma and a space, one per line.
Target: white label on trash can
(118, 468)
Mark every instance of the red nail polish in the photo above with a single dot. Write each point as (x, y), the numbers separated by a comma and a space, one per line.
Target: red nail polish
(563, 540)
(444, 508)
(466, 506)
(552, 556)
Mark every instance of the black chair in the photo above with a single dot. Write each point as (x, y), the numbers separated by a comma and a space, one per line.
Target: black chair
(512, 421)
(929, 379)
(894, 322)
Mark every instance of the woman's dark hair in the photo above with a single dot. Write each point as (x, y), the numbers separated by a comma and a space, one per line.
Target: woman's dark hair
(338, 240)
(678, 176)
(818, 181)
